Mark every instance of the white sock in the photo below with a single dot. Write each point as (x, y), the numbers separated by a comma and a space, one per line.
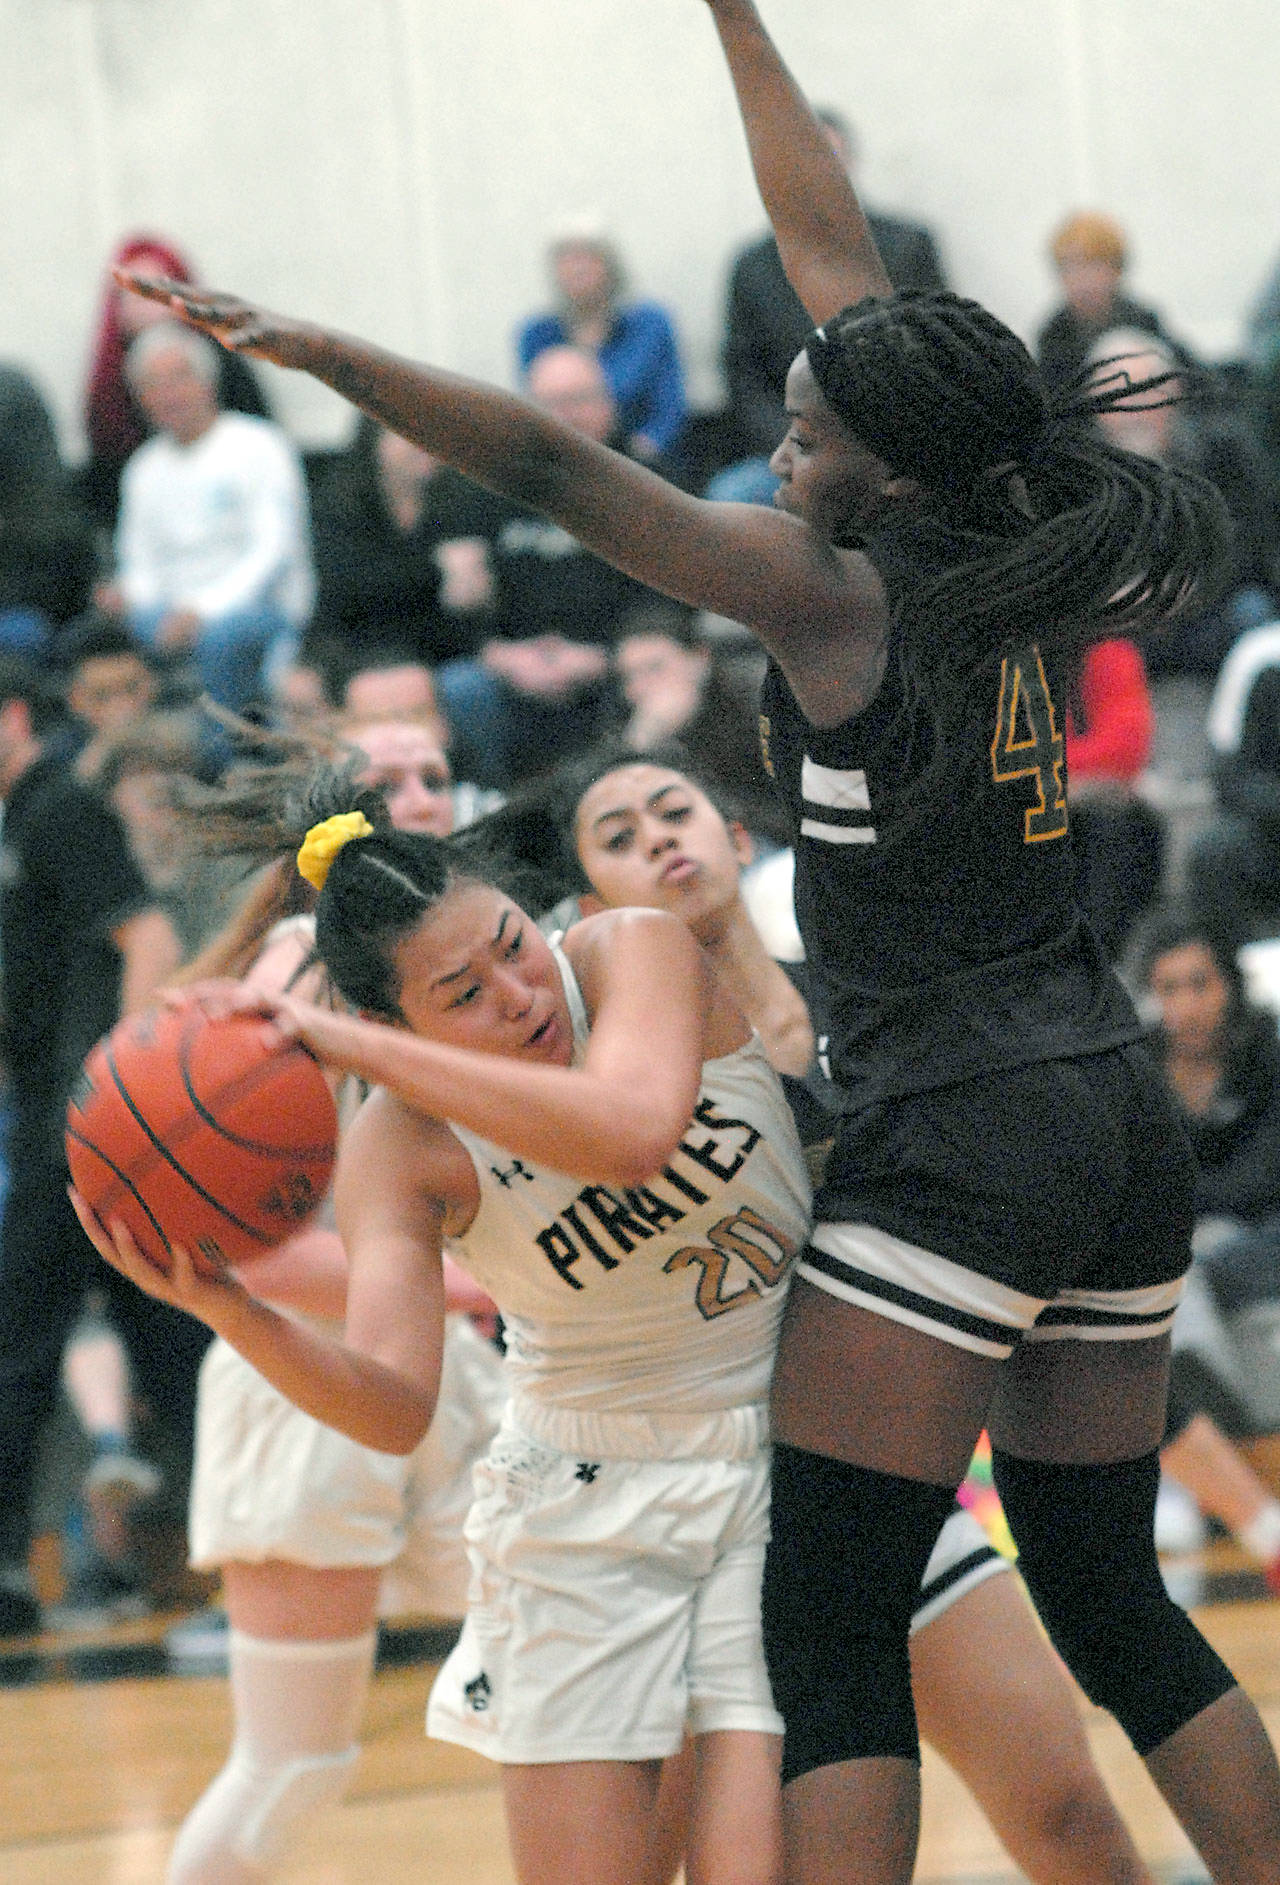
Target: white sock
(297, 1713)
(1261, 1536)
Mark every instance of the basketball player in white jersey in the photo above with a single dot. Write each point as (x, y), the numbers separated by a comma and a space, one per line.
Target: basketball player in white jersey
(598, 1131)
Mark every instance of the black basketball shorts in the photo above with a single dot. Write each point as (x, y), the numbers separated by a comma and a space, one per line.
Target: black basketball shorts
(1054, 1201)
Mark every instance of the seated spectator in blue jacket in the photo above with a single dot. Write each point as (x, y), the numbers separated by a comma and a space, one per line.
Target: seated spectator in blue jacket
(635, 341)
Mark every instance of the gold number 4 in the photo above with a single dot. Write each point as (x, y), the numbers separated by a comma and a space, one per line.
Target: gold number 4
(1029, 745)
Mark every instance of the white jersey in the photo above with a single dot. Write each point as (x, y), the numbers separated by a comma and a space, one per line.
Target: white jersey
(663, 1297)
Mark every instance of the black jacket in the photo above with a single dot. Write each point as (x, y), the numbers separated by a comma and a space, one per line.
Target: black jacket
(766, 325)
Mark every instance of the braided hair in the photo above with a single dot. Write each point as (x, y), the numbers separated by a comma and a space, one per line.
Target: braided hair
(1030, 525)
(1054, 534)
(377, 890)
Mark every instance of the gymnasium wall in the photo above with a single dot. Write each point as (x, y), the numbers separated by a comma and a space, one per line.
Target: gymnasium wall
(394, 166)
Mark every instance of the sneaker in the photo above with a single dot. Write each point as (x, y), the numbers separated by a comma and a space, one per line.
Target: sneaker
(117, 1480)
(115, 1485)
(20, 1613)
(1180, 1524)
(100, 1594)
(198, 1645)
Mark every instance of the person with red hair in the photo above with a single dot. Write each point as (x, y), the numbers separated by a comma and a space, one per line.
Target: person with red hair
(115, 424)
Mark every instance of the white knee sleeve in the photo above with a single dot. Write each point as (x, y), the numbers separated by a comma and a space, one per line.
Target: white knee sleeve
(297, 1709)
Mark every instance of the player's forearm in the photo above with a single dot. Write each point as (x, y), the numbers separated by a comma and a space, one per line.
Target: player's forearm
(150, 953)
(308, 1273)
(501, 441)
(581, 1124)
(372, 1403)
(823, 237)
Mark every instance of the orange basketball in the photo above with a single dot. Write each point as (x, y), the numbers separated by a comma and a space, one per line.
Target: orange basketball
(215, 1134)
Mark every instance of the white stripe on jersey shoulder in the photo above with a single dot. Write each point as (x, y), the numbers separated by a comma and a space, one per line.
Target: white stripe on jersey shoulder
(839, 789)
(837, 834)
(843, 788)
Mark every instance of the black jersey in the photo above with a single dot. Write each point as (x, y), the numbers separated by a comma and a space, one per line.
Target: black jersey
(945, 933)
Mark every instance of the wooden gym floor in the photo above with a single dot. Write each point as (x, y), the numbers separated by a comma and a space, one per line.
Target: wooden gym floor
(102, 1750)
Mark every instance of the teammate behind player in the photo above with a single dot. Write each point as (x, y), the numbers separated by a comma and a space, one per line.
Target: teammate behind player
(314, 1536)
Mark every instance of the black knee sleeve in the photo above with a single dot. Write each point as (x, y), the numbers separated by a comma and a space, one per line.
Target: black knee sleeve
(1086, 1548)
(842, 1578)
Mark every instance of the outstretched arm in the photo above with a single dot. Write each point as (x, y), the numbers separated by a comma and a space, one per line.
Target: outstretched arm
(819, 610)
(826, 246)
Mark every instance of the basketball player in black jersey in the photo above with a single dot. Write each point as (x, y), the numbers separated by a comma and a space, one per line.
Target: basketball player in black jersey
(1007, 1216)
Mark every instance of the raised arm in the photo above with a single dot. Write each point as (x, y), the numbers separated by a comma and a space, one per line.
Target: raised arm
(819, 611)
(824, 240)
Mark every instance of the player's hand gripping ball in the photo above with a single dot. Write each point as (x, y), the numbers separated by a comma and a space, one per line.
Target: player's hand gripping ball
(215, 1133)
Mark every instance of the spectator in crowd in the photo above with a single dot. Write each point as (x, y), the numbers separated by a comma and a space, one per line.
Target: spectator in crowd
(82, 941)
(1090, 253)
(765, 328)
(1233, 861)
(681, 685)
(48, 558)
(1262, 366)
(543, 686)
(635, 341)
(392, 685)
(1119, 838)
(392, 570)
(109, 684)
(1209, 434)
(115, 423)
(142, 771)
(396, 687)
(1221, 1056)
(213, 559)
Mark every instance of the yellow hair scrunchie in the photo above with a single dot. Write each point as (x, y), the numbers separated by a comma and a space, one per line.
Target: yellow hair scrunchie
(324, 841)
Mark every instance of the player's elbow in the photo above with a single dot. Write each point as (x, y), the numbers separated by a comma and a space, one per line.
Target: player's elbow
(400, 1425)
(408, 1430)
(639, 1155)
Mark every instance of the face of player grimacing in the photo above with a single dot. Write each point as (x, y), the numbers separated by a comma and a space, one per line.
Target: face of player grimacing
(647, 837)
(826, 476)
(477, 972)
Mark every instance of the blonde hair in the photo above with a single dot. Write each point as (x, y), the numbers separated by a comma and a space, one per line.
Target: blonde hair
(1089, 236)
